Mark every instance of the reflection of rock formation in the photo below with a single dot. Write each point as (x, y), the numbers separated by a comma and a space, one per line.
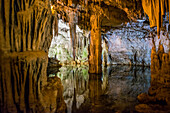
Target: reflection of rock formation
(158, 97)
(115, 90)
(125, 83)
(75, 82)
(25, 87)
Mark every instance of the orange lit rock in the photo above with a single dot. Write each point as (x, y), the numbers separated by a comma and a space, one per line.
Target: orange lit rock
(155, 9)
(25, 25)
(95, 50)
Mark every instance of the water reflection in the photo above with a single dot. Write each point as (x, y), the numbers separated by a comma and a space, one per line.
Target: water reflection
(113, 91)
(25, 87)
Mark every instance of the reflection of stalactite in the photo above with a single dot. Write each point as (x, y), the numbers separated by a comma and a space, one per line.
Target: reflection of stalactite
(25, 87)
(95, 87)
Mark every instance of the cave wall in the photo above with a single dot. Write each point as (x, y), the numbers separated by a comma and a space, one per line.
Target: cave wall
(26, 25)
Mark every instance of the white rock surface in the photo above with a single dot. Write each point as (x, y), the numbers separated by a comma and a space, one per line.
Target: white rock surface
(132, 44)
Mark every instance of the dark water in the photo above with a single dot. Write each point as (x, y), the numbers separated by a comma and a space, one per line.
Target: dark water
(116, 90)
(25, 86)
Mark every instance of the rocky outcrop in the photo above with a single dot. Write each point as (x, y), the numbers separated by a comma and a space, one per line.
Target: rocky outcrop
(157, 98)
(131, 7)
(26, 25)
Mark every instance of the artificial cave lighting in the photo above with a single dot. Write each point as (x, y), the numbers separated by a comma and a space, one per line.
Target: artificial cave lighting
(85, 56)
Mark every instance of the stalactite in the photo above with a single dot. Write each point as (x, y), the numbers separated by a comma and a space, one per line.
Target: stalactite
(56, 26)
(156, 9)
(95, 42)
(27, 23)
(73, 38)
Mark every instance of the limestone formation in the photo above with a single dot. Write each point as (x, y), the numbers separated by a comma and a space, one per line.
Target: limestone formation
(26, 25)
(156, 9)
(112, 13)
(95, 49)
(157, 98)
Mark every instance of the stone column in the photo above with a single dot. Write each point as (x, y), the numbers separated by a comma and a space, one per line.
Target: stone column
(95, 49)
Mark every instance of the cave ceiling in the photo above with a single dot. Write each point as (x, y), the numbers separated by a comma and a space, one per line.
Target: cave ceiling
(112, 12)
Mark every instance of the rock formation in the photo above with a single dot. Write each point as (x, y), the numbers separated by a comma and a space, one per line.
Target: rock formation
(157, 98)
(26, 25)
(156, 9)
(89, 15)
(26, 34)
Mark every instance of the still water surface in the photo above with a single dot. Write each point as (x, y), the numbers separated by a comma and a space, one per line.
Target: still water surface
(25, 86)
(116, 90)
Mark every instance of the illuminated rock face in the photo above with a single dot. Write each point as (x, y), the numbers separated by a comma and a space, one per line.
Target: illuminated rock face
(62, 49)
(95, 50)
(132, 43)
(110, 13)
(25, 87)
(25, 25)
(156, 9)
